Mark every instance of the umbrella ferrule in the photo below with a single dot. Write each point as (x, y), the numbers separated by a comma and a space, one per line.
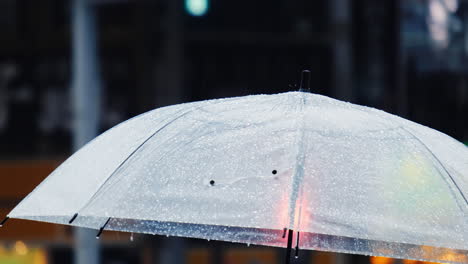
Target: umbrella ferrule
(4, 221)
(305, 81)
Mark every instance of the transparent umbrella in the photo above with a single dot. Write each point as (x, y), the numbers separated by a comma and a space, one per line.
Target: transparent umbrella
(294, 170)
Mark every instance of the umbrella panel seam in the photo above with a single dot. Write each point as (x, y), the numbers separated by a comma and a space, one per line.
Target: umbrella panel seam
(95, 195)
(442, 166)
(101, 188)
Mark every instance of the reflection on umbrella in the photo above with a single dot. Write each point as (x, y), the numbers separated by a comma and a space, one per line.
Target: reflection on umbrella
(295, 170)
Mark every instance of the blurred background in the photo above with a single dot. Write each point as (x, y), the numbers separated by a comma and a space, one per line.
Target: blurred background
(70, 69)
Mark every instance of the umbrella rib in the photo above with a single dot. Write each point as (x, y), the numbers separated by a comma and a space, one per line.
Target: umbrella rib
(439, 162)
(128, 158)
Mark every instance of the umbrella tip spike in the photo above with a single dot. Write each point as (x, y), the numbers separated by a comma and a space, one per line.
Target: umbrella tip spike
(99, 233)
(305, 81)
(4, 221)
(73, 218)
(102, 229)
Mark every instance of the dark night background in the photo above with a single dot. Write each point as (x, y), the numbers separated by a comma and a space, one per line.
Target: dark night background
(407, 57)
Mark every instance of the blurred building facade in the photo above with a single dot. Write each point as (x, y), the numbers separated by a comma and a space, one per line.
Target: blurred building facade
(406, 57)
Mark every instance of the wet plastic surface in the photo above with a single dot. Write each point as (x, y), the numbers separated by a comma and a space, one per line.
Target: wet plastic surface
(350, 178)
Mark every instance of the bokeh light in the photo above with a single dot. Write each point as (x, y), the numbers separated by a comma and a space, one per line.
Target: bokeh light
(197, 7)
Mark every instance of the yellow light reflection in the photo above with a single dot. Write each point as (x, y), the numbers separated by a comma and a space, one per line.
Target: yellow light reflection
(21, 248)
(421, 192)
(440, 254)
(40, 257)
(20, 253)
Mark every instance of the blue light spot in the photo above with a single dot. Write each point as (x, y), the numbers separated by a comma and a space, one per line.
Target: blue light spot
(196, 7)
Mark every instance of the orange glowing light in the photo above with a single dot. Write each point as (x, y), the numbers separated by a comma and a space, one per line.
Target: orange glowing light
(381, 260)
(302, 215)
(409, 261)
(282, 211)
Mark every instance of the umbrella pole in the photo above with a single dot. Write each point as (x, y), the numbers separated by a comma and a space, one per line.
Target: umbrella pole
(289, 248)
(85, 95)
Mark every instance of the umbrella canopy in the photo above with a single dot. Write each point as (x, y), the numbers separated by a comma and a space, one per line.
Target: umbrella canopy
(340, 177)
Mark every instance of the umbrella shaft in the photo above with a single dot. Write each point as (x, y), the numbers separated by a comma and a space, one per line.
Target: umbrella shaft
(289, 248)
